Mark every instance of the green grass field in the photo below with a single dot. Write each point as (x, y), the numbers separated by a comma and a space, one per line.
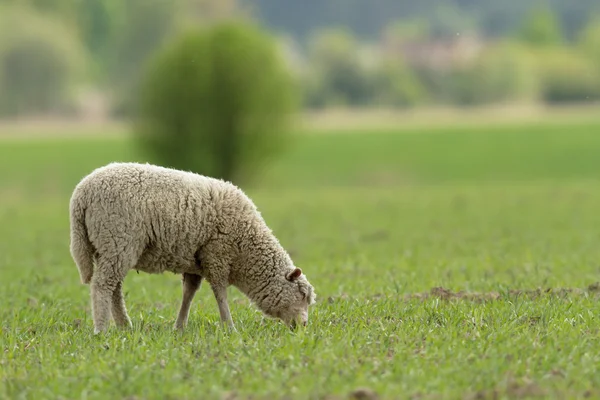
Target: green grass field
(426, 248)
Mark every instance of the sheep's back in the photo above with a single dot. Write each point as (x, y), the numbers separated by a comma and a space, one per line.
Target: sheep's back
(166, 212)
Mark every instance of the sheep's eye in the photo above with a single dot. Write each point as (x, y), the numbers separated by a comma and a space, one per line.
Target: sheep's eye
(304, 295)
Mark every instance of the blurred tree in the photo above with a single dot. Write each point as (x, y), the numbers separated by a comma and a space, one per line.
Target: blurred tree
(402, 31)
(589, 40)
(541, 28)
(567, 76)
(98, 21)
(40, 61)
(216, 101)
(503, 72)
(143, 27)
(209, 11)
(94, 22)
(448, 20)
(397, 85)
(65, 9)
(339, 76)
(365, 18)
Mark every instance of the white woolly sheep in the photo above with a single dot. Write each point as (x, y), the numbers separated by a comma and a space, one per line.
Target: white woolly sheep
(153, 219)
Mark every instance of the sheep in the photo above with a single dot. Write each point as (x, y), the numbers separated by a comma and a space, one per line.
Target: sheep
(150, 218)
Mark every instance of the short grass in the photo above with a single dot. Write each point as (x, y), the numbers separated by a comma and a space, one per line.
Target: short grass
(378, 221)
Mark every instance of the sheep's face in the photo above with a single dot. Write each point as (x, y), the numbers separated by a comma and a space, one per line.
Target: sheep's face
(295, 298)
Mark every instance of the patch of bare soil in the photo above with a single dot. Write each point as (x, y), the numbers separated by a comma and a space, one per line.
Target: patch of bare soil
(449, 295)
(363, 394)
(513, 391)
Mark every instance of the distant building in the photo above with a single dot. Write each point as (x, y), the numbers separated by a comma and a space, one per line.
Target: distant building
(437, 54)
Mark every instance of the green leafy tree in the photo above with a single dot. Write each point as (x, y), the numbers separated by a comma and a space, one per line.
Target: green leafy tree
(339, 77)
(40, 61)
(98, 21)
(397, 85)
(140, 27)
(568, 76)
(541, 28)
(589, 40)
(216, 101)
(143, 27)
(503, 72)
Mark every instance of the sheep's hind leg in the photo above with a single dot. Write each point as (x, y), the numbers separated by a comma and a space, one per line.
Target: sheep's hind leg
(102, 288)
(119, 311)
(106, 291)
(221, 297)
(191, 283)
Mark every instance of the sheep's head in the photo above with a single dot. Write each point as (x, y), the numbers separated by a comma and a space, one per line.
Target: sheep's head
(292, 302)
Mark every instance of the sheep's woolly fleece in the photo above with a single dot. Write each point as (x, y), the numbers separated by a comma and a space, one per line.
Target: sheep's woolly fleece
(139, 216)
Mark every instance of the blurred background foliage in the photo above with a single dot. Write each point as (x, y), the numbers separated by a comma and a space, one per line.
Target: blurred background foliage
(361, 54)
(88, 60)
(216, 100)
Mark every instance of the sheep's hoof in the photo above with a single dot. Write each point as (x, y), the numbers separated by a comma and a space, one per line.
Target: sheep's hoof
(178, 328)
(126, 326)
(98, 331)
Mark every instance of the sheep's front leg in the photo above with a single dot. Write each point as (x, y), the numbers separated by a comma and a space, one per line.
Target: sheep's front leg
(216, 267)
(119, 311)
(191, 283)
(220, 292)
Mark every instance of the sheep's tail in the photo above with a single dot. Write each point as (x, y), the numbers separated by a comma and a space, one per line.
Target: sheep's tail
(81, 248)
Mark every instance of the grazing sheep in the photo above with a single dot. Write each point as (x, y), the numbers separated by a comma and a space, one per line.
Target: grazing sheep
(128, 216)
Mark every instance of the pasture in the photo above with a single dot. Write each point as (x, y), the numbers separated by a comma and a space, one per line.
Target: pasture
(449, 262)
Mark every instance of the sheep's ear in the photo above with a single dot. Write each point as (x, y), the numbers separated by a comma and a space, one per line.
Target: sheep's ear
(295, 274)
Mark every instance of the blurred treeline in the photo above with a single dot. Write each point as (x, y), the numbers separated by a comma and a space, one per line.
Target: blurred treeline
(86, 57)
